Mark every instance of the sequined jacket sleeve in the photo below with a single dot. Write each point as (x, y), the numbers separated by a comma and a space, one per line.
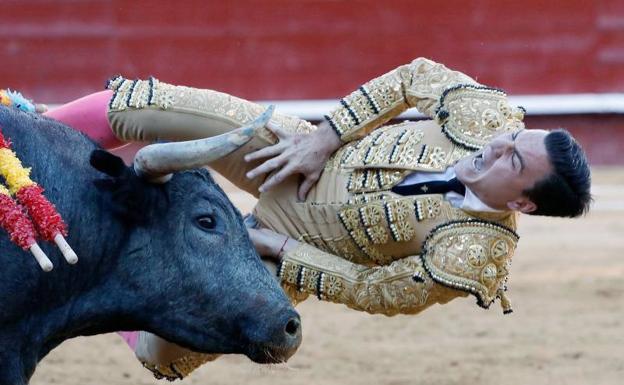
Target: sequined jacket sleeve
(400, 287)
(419, 84)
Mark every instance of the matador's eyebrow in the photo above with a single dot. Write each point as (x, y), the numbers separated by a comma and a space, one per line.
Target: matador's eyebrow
(513, 137)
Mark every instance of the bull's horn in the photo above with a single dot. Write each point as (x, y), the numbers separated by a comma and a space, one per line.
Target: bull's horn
(157, 161)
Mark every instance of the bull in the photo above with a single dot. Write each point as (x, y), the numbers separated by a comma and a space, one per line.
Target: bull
(171, 258)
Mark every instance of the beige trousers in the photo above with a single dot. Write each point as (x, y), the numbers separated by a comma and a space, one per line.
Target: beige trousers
(191, 113)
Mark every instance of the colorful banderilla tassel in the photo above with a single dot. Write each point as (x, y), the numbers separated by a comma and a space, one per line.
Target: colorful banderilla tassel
(15, 99)
(46, 219)
(14, 220)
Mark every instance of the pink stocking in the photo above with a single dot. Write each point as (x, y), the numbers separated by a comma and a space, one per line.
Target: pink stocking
(130, 338)
(88, 115)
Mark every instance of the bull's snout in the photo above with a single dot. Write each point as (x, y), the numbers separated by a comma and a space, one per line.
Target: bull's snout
(293, 328)
(292, 334)
(281, 340)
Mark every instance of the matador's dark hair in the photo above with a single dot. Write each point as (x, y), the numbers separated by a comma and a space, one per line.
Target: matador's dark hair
(566, 191)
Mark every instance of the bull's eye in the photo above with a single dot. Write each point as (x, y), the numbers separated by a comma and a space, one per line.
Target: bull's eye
(206, 222)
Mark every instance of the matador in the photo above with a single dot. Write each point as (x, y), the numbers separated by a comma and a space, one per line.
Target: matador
(401, 216)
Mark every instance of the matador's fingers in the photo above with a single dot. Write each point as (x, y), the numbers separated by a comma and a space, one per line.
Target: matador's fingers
(306, 185)
(277, 129)
(267, 166)
(265, 152)
(277, 178)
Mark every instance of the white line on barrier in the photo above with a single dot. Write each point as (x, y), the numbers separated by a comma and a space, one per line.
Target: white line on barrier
(553, 104)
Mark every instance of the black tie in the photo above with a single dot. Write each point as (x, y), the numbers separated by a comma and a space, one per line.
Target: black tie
(432, 187)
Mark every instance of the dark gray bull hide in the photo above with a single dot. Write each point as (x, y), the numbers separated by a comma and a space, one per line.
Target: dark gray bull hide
(173, 259)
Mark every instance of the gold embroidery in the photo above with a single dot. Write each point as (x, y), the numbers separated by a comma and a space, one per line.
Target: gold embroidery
(472, 115)
(358, 199)
(392, 289)
(343, 246)
(347, 249)
(114, 83)
(368, 228)
(290, 272)
(488, 275)
(331, 287)
(377, 234)
(477, 256)
(374, 180)
(377, 97)
(499, 249)
(377, 256)
(354, 221)
(294, 295)
(428, 82)
(349, 218)
(433, 158)
(389, 178)
(403, 286)
(402, 231)
(120, 95)
(371, 215)
(164, 96)
(310, 281)
(398, 212)
(405, 151)
(449, 246)
(139, 98)
(139, 94)
(390, 145)
(428, 207)
(457, 153)
(181, 367)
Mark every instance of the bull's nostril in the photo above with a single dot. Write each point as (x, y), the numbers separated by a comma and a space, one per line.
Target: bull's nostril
(292, 327)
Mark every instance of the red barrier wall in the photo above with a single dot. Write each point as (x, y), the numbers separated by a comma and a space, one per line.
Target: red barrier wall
(285, 49)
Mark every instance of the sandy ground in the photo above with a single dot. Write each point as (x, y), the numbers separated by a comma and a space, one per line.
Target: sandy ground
(567, 287)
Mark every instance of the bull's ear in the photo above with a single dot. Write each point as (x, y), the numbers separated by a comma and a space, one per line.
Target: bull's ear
(107, 163)
(125, 192)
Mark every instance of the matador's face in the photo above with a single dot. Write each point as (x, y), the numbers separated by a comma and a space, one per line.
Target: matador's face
(510, 164)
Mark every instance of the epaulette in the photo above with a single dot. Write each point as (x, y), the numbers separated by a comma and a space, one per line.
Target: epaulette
(472, 256)
(472, 115)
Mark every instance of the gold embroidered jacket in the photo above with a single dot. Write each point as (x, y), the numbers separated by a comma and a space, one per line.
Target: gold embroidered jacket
(365, 247)
(380, 252)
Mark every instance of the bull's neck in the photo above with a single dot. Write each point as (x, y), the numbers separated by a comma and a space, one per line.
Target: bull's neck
(103, 309)
(95, 295)
(106, 307)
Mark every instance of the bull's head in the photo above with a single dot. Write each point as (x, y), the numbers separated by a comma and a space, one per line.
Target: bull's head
(188, 259)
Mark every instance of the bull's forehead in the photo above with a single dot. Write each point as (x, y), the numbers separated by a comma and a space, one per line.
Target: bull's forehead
(194, 185)
(193, 181)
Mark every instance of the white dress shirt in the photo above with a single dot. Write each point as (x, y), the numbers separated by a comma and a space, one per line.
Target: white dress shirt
(467, 202)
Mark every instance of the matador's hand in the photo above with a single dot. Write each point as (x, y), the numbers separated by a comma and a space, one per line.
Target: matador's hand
(270, 244)
(304, 154)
